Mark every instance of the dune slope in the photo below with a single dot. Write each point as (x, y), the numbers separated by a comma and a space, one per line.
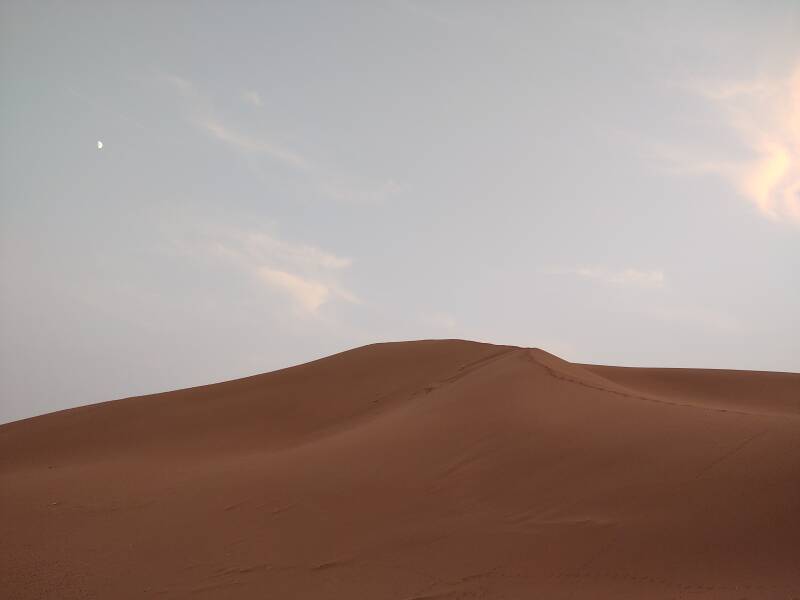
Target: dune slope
(414, 470)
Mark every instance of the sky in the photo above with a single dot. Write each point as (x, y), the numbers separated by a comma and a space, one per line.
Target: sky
(614, 182)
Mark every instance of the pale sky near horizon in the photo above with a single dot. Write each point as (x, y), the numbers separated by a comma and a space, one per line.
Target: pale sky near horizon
(614, 182)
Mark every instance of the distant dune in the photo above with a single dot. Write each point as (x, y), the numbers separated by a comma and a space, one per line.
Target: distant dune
(414, 470)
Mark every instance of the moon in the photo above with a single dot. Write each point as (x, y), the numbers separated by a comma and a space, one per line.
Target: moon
(99, 145)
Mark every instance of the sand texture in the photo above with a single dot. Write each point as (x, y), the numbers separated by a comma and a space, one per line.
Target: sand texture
(410, 471)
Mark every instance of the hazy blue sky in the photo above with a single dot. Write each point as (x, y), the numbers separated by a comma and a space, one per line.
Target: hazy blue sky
(615, 182)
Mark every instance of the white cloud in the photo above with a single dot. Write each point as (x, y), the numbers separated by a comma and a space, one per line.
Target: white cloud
(307, 276)
(309, 295)
(653, 278)
(765, 115)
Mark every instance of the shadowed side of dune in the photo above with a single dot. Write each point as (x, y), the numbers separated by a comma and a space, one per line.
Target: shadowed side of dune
(775, 393)
(435, 469)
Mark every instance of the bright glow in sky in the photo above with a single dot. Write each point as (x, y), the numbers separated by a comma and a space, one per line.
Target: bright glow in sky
(614, 182)
(765, 113)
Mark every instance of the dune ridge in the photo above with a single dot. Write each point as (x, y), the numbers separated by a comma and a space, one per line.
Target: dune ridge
(411, 470)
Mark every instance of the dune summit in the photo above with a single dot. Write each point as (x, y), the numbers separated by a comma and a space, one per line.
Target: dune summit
(414, 470)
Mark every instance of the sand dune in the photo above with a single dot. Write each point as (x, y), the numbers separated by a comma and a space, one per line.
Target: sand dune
(416, 470)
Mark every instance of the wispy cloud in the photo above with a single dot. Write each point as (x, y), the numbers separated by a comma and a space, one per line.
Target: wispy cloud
(309, 295)
(203, 116)
(307, 276)
(320, 178)
(259, 246)
(652, 279)
(252, 97)
(765, 115)
(250, 144)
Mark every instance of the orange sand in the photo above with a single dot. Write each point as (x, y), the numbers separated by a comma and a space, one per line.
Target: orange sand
(415, 470)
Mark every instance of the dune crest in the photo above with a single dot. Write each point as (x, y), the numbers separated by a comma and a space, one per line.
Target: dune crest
(411, 470)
